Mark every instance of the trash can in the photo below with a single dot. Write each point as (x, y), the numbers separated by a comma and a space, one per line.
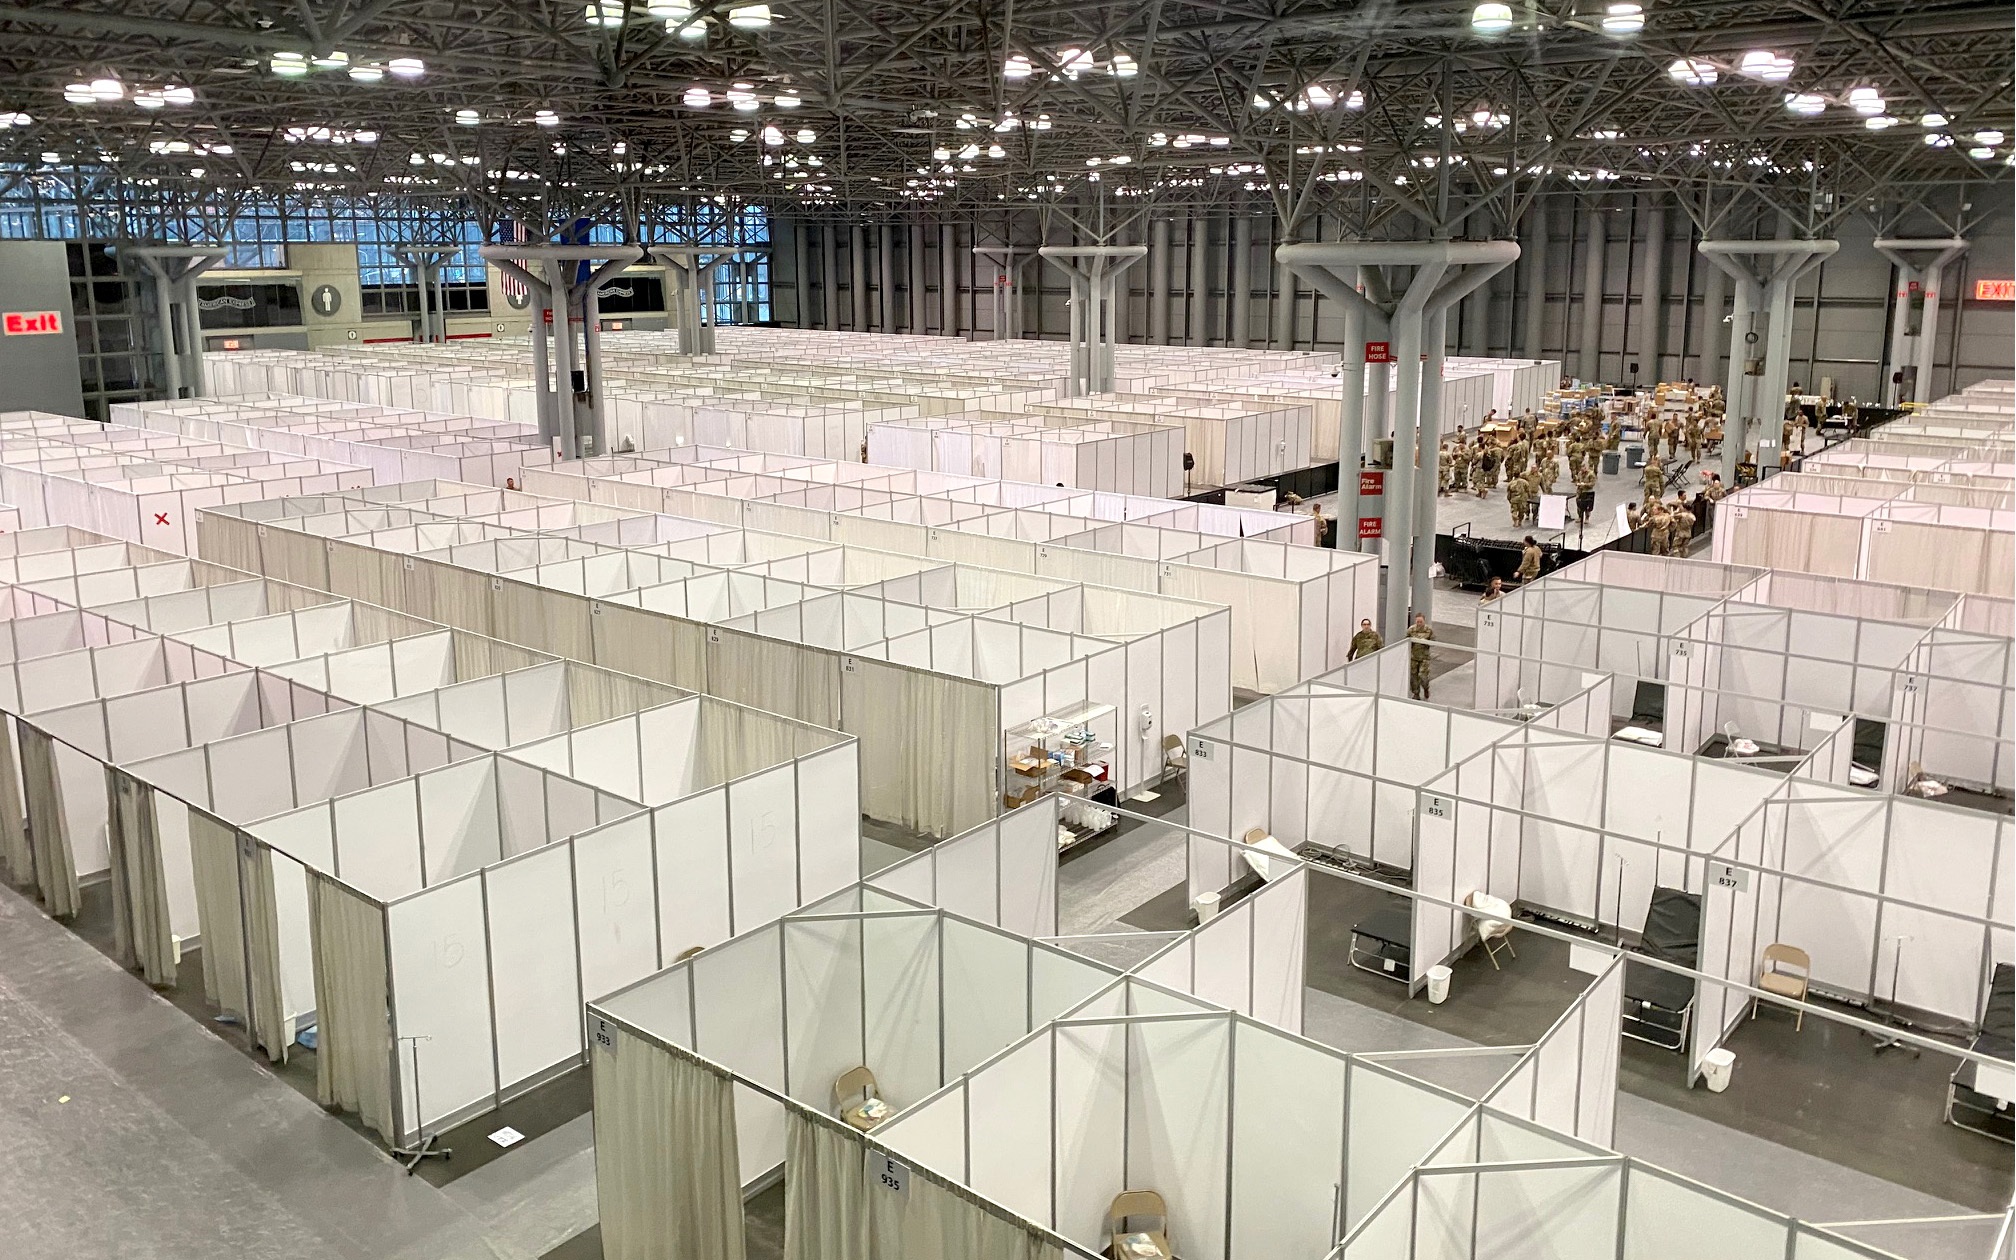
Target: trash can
(1715, 1068)
(1438, 985)
(1206, 907)
(1634, 456)
(1610, 462)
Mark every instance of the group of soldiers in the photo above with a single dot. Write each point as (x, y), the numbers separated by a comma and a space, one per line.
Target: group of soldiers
(1419, 636)
(1530, 463)
(1670, 525)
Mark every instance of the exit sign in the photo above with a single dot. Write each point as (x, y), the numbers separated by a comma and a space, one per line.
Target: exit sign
(33, 323)
(1984, 291)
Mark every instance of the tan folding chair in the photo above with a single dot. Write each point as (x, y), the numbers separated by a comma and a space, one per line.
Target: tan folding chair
(852, 1093)
(1494, 933)
(1174, 757)
(1137, 1216)
(1786, 970)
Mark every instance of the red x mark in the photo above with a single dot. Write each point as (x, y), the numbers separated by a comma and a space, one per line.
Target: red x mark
(160, 518)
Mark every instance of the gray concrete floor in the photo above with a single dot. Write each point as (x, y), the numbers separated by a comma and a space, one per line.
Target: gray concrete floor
(128, 1130)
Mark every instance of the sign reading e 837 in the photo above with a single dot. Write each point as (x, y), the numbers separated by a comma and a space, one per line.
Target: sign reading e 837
(31, 323)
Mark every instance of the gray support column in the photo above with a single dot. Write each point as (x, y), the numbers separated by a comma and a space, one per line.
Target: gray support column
(595, 437)
(1765, 273)
(1652, 300)
(1421, 312)
(1916, 346)
(1239, 301)
(829, 277)
(1198, 330)
(542, 366)
(1158, 282)
(1350, 424)
(175, 269)
(1283, 307)
(917, 286)
(1714, 305)
(948, 283)
(885, 275)
(1590, 357)
(1428, 477)
(801, 276)
(564, 360)
(1094, 271)
(171, 357)
(857, 260)
(1534, 309)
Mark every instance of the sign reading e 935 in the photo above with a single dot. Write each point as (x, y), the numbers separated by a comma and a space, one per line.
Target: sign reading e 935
(32, 323)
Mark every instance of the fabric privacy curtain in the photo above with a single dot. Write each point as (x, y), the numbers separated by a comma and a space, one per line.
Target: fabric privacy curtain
(143, 937)
(353, 1046)
(48, 829)
(213, 852)
(932, 1219)
(17, 862)
(825, 1190)
(666, 1161)
(270, 1027)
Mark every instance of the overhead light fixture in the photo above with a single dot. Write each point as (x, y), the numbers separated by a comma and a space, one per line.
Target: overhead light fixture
(1865, 100)
(14, 118)
(176, 94)
(1693, 72)
(107, 89)
(606, 13)
(1074, 61)
(1040, 123)
(750, 17)
(468, 117)
(367, 72)
(993, 150)
(1989, 138)
(787, 100)
(743, 97)
(697, 98)
(546, 118)
(1491, 18)
(1124, 66)
(1881, 122)
(148, 98)
(941, 154)
(772, 136)
(1769, 66)
(1938, 140)
(1017, 67)
(406, 67)
(1623, 18)
(291, 65)
(805, 135)
(1807, 103)
(78, 94)
(1932, 120)
(1260, 101)
(1318, 96)
(334, 59)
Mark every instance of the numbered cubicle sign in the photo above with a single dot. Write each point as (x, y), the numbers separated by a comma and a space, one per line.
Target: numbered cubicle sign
(1200, 750)
(1436, 806)
(603, 1033)
(889, 1173)
(1728, 875)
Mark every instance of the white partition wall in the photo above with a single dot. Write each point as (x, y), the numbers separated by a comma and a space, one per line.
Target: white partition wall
(1568, 1080)
(918, 997)
(1250, 958)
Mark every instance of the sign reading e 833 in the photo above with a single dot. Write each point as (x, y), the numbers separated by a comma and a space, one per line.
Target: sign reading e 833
(32, 323)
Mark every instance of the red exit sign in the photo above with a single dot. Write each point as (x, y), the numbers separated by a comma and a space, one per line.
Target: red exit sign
(32, 323)
(1995, 290)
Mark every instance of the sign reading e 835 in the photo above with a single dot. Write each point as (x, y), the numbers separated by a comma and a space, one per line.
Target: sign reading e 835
(32, 323)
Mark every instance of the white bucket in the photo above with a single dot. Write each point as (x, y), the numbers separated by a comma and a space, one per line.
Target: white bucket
(1716, 1066)
(1438, 984)
(1206, 907)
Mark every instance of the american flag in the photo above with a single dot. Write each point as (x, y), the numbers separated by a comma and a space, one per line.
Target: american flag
(511, 232)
